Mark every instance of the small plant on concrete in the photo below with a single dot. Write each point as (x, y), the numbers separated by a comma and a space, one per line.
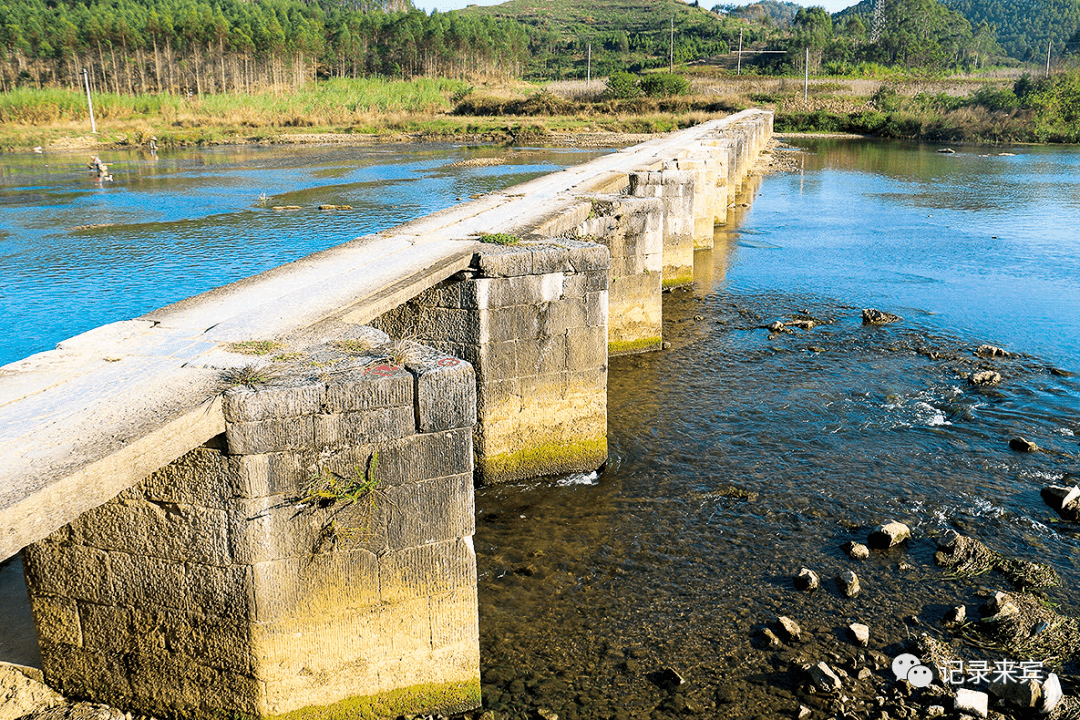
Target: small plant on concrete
(402, 351)
(287, 357)
(500, 239)
(330, 488)
(254, 347)
(250, 375)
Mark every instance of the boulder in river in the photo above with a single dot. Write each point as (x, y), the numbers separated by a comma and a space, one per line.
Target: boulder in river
(789, 628)
(878, 317)
(972, 702)
(807, 580)
(1065, 501)
(856, 551)
(989, 351)
(1020, 444)
(859, 633)
(1026, 695)
(823, 677)
(985, 378)
(848, 582)
(888, 535)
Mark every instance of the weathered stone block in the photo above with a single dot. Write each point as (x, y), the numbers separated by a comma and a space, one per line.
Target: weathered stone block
(503, 324)
(83, 672)
(587, 347)
(71, 571)
(438, 510)
(161, 684)
(389, 388)
(171, 531)
(497, 360)
(245, 404)
(557, 316)
(368, 426)
(201, 477)
(57, 620)
(551, 354)
(268, 436)
(252, 476)
(426, 570)
(445, 395)
(315, 586)
(454, 618)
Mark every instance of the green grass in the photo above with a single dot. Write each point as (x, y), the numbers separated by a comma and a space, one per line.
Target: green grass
(500, 239)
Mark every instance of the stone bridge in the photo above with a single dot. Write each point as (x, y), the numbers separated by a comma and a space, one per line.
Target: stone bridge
(259, 501)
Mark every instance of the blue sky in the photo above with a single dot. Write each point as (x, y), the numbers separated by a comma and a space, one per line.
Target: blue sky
(443, 5)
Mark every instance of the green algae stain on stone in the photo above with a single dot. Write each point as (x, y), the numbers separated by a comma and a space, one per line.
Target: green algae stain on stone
(629, 347)
(544, 459)
(427, 699)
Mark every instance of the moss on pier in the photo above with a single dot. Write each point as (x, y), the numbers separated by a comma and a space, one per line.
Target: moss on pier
(544, 459)
(428, 698)
(629, 347)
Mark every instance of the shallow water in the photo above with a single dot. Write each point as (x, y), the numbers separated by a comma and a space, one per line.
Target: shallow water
(590, 586)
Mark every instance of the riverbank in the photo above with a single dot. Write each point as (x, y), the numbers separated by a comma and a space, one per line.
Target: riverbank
(978, 109)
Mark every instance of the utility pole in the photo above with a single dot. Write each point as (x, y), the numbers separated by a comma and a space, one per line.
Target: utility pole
(671, 48)
(89, 103)
(806, 77)
(588, 71)
(739, 70)
(1048, 46)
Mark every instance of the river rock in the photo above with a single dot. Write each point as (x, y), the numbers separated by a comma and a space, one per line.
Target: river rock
(807, 580)
(335, 207)
(946, 151)
(888, 535)
(998, 608)
(669, 679)
(848, 582)
(22, 692)
(1065, 501)
(989, 351)
(1020, 444)
(1025, 695)
(1051, 694)
(985, 378)
(860, 634)
(971, 701)
(789, 628)
(878, 317)
(771, 638)
(856, 551)
(823, 677)
(956, 616)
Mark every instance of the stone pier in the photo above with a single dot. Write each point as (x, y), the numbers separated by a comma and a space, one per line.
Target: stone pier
(314, 560)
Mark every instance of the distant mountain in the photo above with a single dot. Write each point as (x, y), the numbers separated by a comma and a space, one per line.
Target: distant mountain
(611, 34)
(1024, 27)
(779, 12)
(573, 17)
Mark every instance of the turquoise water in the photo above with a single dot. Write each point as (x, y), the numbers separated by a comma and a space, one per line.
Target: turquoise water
(76, 254)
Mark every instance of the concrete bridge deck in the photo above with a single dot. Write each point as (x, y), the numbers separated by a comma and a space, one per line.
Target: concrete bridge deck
(155, 503)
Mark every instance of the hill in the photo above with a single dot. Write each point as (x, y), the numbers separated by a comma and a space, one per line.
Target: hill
(779, 12)
(624, 34)
(1021, 27)
(1024, 27)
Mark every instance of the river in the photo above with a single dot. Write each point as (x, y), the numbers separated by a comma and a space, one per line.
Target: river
(738, 456)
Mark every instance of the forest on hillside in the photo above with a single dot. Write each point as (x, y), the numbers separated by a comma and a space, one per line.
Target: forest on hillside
(213, 46)
(1024, 27)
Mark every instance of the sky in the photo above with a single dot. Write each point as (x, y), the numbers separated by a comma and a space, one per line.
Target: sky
(444, 5)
